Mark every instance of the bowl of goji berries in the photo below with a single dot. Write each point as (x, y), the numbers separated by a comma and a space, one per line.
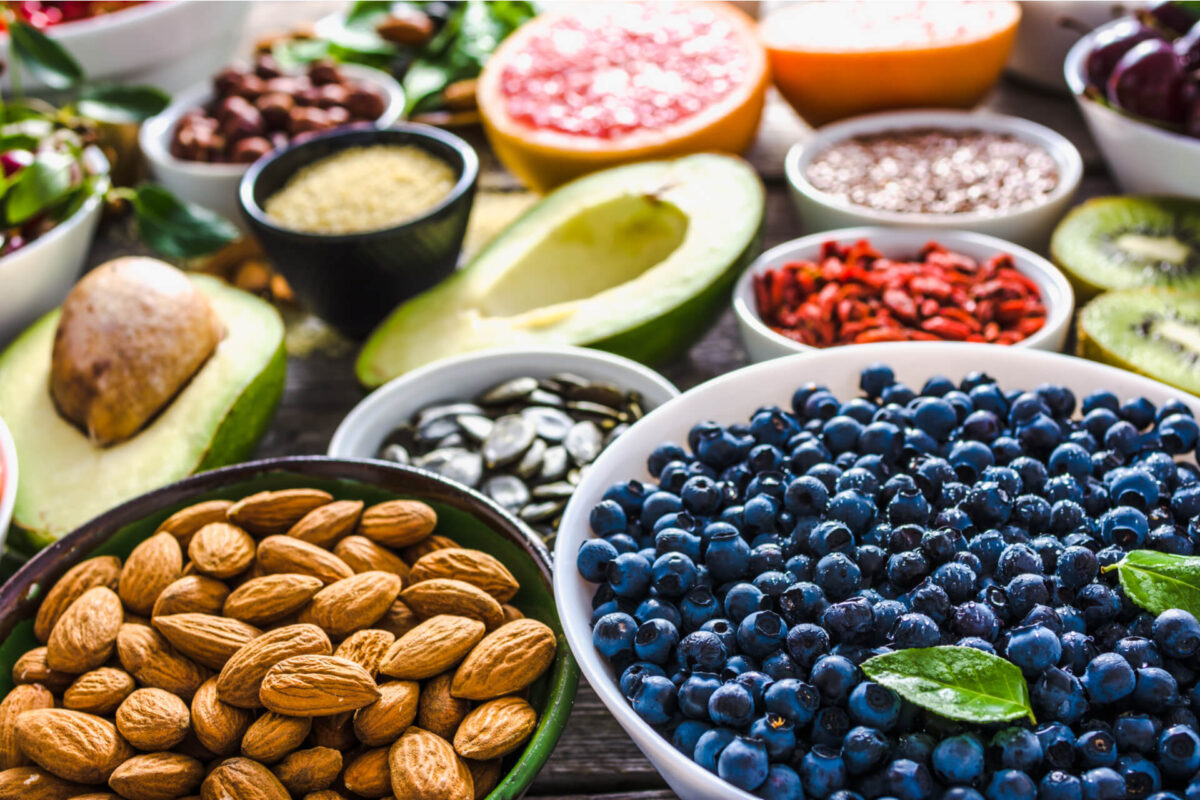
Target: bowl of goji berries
(865, 285)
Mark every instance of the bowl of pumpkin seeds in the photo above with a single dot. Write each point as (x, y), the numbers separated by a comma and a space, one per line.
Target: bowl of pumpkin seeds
(520, 425)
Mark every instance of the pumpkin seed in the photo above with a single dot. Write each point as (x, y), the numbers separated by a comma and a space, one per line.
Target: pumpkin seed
(539, 512)
(601, 393)
(477, 426)
(554, 463)
(430, 413)
(559, 490)
(551, 424)
(511, 436)
(531, 463)
(436, 429)
(509, 391)
(454, 463)
(597, 409)
(397, 453)
(539, 397)
(584, 442)
(507, 490)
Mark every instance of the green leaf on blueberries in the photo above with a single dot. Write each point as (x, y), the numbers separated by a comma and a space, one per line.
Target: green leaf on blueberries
(43, 183)
(177, 229)
(957, 682)
(45, 58)
(1160, 581)
(118, 104)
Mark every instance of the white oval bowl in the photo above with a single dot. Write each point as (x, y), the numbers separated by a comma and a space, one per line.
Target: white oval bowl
(1030, 226)
(167, 44)
(733, 398)
(762, 343)
(368, 425)
(36, 278)
(215, 186)
(8, 480)
(1143, 159)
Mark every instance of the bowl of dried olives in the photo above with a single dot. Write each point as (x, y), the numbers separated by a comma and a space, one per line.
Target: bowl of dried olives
(520, 425)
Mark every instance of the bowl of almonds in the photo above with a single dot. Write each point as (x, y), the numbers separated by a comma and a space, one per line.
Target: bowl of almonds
(292, 628)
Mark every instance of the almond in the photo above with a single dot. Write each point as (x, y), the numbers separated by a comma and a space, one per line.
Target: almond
(32, 783)
(268, 513)
(98, 571)
(242, 675)
(448, 596)
(309, 770)
(84, 635)
(325, 525)
(398, 620)
(511, 612)
(495, 729)
(382, 722)
(363, 555)
(98, 795)
(434, 646)
(424, 767)
(31, 667)
(152, 566)
(485, 775)
(366, 648)
(99, 691)
(271, 598)
(184, 523)
(195, 594)
(439, 711)
(152, 719)
(316, 686)
(221, 550)
(149, 658)
(336, 731)
(368, 775)
(242, 779)
(398, 523)
(506, 661)
(287, 554)
(206, 639)
(21, 699)
(218, 726)
(325, 794)
(352, 603)
(473, 566)
(414, 552)
(157, 776)
(272, 736)
(71, 744)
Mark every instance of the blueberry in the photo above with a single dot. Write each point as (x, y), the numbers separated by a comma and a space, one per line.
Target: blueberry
(958, 759)
(1059, 785)
(1010, 784)
(687, 734)
(909, 780)
(1077, 567)
(830, 537)
(978, 620)
(822, 771)
(1179, 752)
(834, 677)
(915, 630)
(629, 575)
(792, 699)
(1058, 745)
(629, 496)
(702, 650)
(908, 506)
(1142, 777)
(853, 508)
(864, 749)
(1059, 696)
(837, 575)
(709, 747)
(743, 599)
(782, 783)
(1033, 649)
(1179, 433)
(594, 556)
(1018, 748)
(1103, 783)
(654, 641)
(1177, 633)
(728, 554)
(848, 620)
(905, 570)
(970, 459)
(632, 677)
(931, 600)
(761, 633)
(777, 733)
(613, 635)
(732, 705)
(875, 378)
(1096, 749)
(743, 763)
(1156, 689)
(1135, 732)
(1070, 459)
(654, 699)
(697, 607)
(874, 706)
(1109, 678)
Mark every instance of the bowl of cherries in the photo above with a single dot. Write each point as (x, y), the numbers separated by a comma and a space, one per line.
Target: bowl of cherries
(1137, 83)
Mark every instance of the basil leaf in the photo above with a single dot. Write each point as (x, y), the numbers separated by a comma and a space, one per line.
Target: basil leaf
(38, 186)
(109, 103)
(177, 229)
(45, 58)
(957, 682)
(1160, 581)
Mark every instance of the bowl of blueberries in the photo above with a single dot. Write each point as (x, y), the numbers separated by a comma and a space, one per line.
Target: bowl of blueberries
(894, 571)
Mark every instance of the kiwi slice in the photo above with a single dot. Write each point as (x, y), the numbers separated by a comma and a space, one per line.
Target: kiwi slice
(1152, 331)
(1130, 242)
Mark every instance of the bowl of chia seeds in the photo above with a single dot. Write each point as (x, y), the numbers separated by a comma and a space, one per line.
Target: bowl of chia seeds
(521, 425)
(986, 173)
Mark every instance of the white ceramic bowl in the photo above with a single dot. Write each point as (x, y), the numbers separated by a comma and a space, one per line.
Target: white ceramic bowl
(36, 278)
(367, 426)
(733, 398)
(1143, 158)
(215, 186)
(762, 343)
(165, 44)
(1047, 31)
(1030, 226)
(8, 480)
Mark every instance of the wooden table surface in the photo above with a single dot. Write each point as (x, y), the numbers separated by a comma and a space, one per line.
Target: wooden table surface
(594, 757)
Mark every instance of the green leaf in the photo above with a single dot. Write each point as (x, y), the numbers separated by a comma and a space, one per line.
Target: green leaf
(366, 13)
(177, 229)
(1160, 581)
(423, 81)
(293, 54)
(43, 57)
(43, 183)
(957, 682)
(109, 103)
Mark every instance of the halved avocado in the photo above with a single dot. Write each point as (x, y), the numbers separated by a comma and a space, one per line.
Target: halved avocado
(216, 419)
(637, 260)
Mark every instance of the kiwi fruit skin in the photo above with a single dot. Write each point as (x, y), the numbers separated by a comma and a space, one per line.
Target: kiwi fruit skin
(1090, 279)
(1095, 343)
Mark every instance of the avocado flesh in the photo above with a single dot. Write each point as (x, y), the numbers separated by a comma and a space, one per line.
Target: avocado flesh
(636, 259)
(216, 419)
(1155, 332)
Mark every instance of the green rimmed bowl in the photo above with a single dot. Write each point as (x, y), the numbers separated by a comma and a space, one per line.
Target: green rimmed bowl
(465, 516)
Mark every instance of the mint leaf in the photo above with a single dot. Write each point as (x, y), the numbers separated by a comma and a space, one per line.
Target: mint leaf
(957, 682)
(1160, 581)
(45, 58)
(120, 104)
(177, 229)
(39, 186)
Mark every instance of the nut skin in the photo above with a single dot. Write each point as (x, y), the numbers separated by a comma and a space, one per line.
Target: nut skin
(22, 698)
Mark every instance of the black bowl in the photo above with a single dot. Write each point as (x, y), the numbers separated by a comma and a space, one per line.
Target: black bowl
(353, 280)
